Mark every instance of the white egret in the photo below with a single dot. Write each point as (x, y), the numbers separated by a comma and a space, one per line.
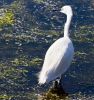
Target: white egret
(60, 54)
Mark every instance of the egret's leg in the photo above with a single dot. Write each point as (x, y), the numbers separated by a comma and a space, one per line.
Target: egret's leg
(61, 86)
(56, 84)
(57, 88)
(60, 82)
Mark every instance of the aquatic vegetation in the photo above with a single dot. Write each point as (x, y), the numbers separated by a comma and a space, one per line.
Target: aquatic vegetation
(5, 97)
(54, 96)
(7, 18)
(85, 34)
(39, 1)
(25, 61)
(35, 62)
(17, 6)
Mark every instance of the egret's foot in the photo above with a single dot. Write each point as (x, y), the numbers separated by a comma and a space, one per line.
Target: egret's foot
(58, 89)
(56, 84)
(61, 88)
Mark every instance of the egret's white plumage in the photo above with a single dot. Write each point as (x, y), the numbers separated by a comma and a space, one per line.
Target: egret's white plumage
(59, 56)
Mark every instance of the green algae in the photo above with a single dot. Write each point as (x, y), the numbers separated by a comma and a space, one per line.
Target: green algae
(24, 61)
(39, 1)
(7, 18)
(55, 96)
(5, 97)
(35, 62)
(84, 34)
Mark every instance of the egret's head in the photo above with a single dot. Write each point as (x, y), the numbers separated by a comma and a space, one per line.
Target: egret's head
(67, 10)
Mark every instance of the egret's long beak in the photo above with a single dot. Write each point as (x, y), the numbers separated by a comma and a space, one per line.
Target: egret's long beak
(55, 10)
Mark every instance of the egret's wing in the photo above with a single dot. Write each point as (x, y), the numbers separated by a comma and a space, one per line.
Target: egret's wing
(54, 54)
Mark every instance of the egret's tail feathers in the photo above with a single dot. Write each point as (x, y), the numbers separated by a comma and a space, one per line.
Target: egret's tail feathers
(42, 78)
(42, 81)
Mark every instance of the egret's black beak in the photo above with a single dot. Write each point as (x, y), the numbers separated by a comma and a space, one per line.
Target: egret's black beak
(55, 10)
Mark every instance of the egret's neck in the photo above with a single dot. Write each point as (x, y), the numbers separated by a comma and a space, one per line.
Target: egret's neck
(67, 25)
